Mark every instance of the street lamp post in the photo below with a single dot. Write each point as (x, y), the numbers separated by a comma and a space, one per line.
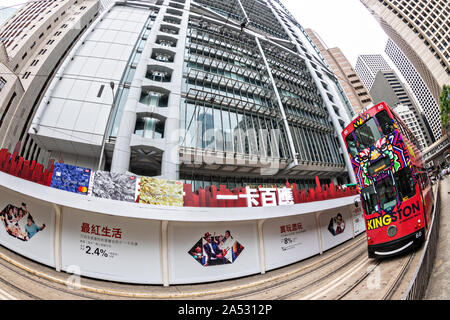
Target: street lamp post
(111, 84)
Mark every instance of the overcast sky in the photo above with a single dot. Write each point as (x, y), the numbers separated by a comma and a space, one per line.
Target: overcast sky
(346, 24)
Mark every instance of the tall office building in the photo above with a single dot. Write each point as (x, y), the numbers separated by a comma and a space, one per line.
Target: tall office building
(411, 121)
(211, 92)
(367, 67)
(421, 30)
(355, 90)
(418, 87)
(33, 44)
(388, 87)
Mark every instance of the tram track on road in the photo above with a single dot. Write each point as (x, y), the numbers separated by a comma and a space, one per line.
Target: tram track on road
(346, 255)
(35, 281)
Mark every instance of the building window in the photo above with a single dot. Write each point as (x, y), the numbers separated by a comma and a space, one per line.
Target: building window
(2, 83)
(150, 128)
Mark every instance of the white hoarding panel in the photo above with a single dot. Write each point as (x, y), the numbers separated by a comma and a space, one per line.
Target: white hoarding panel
(359, 223)
(27, 226)
(336, 227)
(111, 247)
(202, 252)
(288, 240)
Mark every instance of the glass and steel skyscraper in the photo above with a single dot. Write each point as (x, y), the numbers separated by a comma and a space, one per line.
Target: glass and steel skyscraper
(421, 30)
(227, 92)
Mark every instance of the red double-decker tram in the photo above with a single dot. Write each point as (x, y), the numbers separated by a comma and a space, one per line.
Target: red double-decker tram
(394, 186)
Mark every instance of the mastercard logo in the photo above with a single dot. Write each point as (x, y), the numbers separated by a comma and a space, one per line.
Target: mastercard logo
(82, 189)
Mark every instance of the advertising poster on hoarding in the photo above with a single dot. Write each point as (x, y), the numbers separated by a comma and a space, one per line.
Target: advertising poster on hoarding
(202, 252)
(336, 227)
(71, 178)
(115, 186)
(27, 226)
(359, 224)
(160, 192)
(110, 247)
(290, 239)
(212, 250)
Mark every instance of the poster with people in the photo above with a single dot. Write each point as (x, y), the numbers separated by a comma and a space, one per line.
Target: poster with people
(336, 227)
(27, 226)
(213, 249)
(200, 252)
(113, 185)
(19, 223)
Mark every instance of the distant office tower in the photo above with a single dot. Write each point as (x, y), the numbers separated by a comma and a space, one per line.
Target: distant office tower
(207, 91)
(367, 67)
(388, 87)
(5, 13)
(34, 43)
(421, 30)
(355, 90)
(411, 121)
(418, 87)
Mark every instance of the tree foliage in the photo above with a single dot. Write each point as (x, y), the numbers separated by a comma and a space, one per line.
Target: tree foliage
(445, 105)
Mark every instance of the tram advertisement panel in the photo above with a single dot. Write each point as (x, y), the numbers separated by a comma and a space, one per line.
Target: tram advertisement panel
(336, 227)
(111, 247)
(290, 239)
(27, 226)
(201, 252)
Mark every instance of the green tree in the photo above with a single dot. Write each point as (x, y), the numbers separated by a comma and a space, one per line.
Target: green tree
(445, 105)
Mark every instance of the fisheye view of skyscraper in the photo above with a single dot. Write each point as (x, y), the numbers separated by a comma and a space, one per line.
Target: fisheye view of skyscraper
(196, 153)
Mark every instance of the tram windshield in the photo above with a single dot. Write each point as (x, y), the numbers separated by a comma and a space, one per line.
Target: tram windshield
(385, 122)
(405, 183)
(351, 144)
(386, 192)
(369, 200)
(367, 134)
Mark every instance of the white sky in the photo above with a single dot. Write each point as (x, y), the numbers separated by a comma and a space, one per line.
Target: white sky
(346, 24)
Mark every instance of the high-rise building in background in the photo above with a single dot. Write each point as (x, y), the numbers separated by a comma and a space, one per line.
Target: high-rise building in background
(355, 90)
(33, 44)
(418, 88)
(387, 87)
(6, 13)
(411, 121)
(421, 30)
(367, 67)
(210, 92)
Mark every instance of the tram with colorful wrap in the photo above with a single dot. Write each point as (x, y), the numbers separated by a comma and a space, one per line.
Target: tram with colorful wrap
(395, 190)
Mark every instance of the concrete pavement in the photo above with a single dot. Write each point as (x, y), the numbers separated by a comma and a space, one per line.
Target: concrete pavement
(439, 284)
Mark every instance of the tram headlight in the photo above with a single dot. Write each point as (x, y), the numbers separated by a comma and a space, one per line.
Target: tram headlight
(392, 231)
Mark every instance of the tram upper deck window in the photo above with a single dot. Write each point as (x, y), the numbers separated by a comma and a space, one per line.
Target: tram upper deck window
(386, 123)
(405, 183)
(351, 144)
(369, 200)
(367, 134)
(386, 193)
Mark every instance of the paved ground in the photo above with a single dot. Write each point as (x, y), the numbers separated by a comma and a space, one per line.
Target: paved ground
(439, 285)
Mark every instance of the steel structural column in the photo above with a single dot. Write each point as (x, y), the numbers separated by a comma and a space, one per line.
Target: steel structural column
(280, 105)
